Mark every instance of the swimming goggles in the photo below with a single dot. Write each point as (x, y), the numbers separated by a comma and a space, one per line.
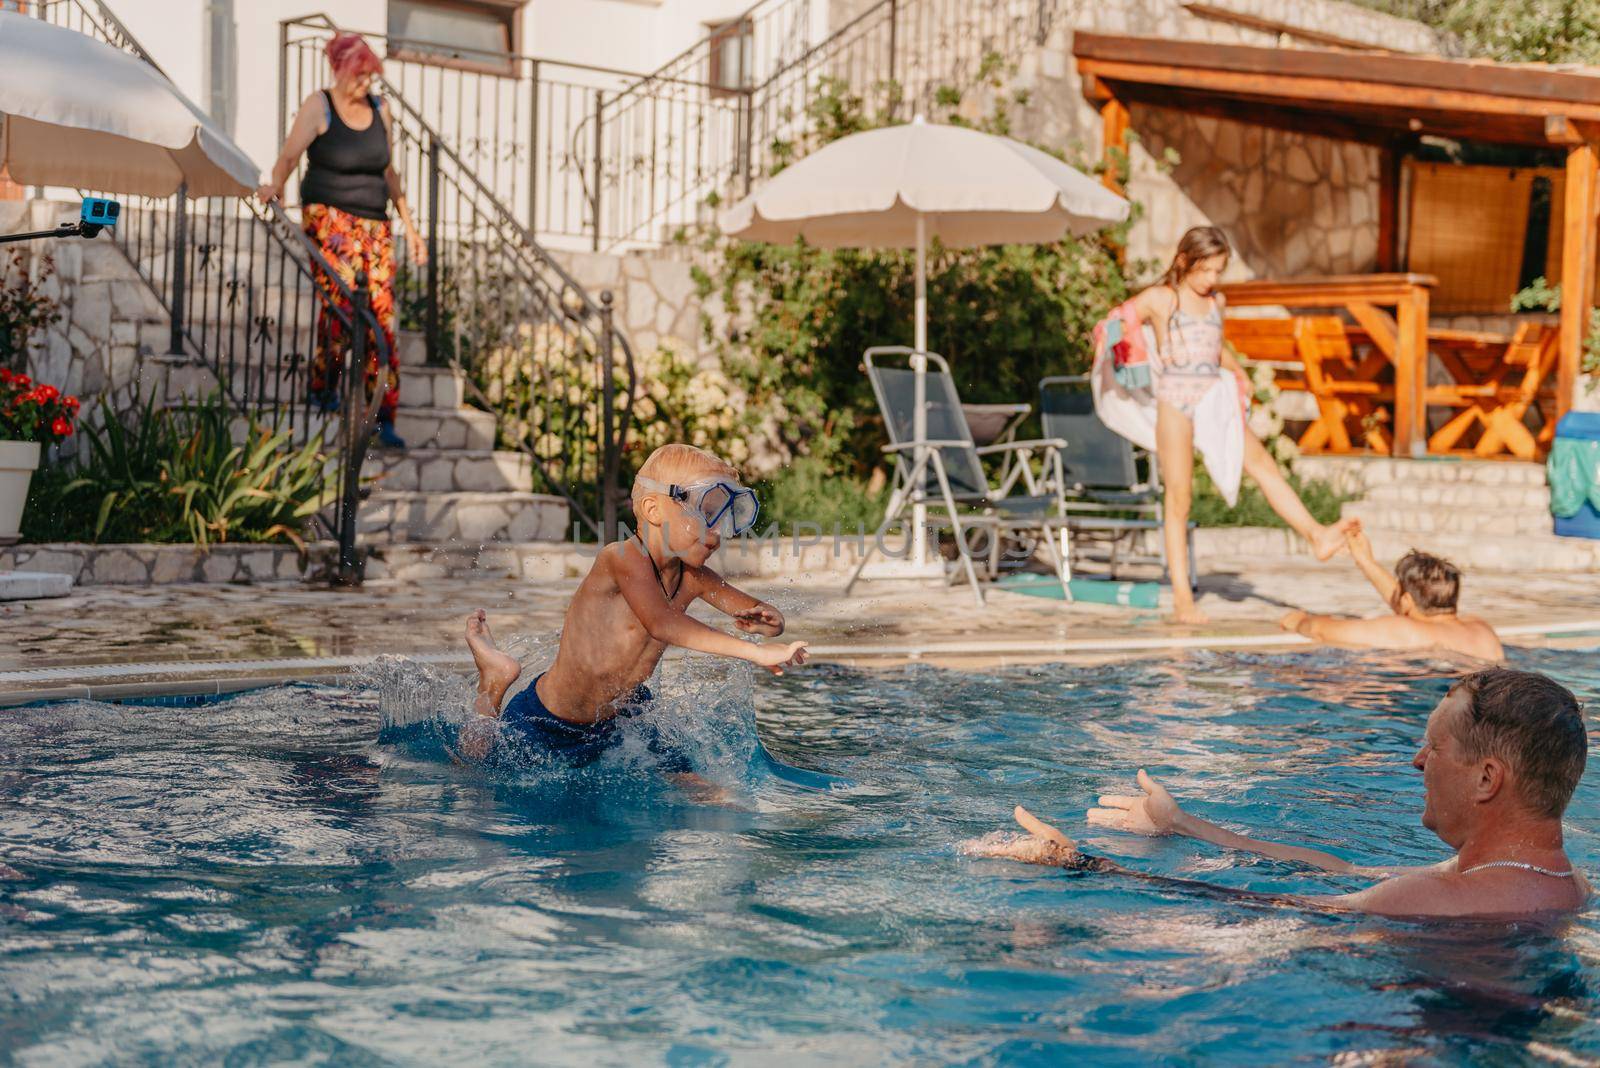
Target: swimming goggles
(726, 507)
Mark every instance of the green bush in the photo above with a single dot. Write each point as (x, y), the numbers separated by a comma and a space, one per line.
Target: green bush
(798, 318)
(1252, 510)
(806, 492)
(175, 475)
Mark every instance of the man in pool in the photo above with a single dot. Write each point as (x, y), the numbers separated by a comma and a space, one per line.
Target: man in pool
(1421, 594)
(632, 605)
(1500, 759)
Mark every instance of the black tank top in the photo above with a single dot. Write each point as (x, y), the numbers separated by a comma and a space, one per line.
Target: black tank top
(344, 167)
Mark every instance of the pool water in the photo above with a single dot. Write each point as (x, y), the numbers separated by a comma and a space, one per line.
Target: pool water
(262, 881)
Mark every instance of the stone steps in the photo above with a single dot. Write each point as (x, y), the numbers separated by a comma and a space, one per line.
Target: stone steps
(1485, 552)
(420, 386)
(440, 518)
(450, 471)
(1363, 474)
(1479, 514)
(1404, 495)
(1433, 519)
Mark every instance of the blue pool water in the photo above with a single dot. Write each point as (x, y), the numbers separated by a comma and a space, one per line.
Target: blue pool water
(260, 881)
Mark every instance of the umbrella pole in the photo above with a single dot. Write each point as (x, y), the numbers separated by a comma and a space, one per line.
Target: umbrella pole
(919, 418)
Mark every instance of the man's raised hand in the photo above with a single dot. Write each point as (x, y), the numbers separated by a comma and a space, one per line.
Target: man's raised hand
(1155, 813)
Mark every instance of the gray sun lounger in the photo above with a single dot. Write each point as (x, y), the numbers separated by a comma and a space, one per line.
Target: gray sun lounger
(1106, 501)
(950, 478)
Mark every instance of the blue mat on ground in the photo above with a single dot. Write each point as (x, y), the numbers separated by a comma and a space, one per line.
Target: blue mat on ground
(1092, 591)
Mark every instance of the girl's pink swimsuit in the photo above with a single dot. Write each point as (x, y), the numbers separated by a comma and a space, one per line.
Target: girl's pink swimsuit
(1192, 359)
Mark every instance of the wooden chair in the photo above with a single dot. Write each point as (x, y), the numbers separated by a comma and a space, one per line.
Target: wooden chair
(1353, 405)
(1492, 396)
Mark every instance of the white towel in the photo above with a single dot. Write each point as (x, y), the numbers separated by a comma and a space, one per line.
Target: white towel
(1218, 422)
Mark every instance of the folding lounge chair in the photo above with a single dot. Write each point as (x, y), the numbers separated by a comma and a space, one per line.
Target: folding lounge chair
(1101, 486)
(950, 478)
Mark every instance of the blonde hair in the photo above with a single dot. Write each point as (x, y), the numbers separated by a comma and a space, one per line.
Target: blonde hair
(676, 463)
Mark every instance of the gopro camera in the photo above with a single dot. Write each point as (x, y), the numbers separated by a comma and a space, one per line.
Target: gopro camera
(98, 212)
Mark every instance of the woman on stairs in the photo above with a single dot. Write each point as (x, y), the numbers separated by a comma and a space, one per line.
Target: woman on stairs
(345, 133)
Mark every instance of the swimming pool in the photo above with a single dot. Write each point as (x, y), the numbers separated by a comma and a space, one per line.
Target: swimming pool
(260, 881)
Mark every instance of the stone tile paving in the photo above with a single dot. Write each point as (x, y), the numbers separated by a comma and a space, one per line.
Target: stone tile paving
(111, 625)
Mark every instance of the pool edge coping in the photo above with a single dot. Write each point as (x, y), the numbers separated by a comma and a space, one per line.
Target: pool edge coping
(221, 677)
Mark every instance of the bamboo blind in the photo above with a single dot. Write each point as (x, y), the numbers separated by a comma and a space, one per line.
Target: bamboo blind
(1468, 226)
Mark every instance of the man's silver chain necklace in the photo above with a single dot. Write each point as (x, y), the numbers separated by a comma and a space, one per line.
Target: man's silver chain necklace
(1524, 865)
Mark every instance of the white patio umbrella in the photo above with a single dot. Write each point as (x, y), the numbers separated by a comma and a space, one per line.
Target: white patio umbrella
(899, 186)
(77, 112)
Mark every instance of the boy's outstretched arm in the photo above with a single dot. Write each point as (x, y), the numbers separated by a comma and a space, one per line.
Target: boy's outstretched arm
(1361, 552)
(664, 622)
(749, 614)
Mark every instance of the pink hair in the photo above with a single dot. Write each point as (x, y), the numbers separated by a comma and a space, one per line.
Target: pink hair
(350, 56)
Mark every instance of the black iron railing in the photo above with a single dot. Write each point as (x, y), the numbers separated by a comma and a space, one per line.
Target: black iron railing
(539, 352)
(606, 158)
(237, 282)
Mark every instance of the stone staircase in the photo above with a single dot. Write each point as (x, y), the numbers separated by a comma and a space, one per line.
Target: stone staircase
(451, 487)
(1487, 515)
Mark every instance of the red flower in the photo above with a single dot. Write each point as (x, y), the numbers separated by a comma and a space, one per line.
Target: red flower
(6, 375)
(47, 394)
(71, 404)
(22, 381)
(61, 428)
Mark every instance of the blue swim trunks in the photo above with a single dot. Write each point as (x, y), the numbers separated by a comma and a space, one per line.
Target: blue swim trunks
(529, 723)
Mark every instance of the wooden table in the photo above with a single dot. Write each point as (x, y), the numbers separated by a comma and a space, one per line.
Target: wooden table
(1400, 341)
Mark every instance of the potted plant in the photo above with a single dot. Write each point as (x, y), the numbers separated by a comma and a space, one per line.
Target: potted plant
(31, 417)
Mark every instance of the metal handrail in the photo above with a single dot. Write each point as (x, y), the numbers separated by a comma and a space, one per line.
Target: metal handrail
(286, 245)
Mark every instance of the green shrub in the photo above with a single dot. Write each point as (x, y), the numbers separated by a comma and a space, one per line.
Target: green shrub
(175, 475)
(1252, 510)
(798, 318)
(806, 492)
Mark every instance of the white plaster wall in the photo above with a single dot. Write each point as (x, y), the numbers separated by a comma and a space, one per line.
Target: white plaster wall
(632, 35)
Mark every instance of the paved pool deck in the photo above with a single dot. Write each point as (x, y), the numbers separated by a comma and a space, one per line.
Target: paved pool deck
(120, 641)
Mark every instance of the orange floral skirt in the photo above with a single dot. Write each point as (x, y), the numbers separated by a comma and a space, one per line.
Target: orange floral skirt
(350, 244)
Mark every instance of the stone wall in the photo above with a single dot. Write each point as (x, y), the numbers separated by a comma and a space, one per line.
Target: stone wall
(1291, 203)
(109, 317)
(655, 296)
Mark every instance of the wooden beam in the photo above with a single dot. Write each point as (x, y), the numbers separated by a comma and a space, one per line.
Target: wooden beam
(1395, 74)
(1114, 140)
(1266, 114)
(1411, 376)
(1577, 267)
(1560, 129)
(1389, 159)
(1348, 91)
(1096, 91)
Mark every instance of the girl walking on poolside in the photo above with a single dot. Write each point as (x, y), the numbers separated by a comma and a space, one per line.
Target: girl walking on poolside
(1183, 316)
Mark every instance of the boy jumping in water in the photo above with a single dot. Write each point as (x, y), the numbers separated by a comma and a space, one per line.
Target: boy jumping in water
(1422, 594)
(633, 605)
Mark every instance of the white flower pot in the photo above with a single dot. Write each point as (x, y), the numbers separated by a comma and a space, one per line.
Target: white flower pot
(18, 460)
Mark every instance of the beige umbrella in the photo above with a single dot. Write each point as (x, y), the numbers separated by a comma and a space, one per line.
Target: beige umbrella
(899, 186)
(76, 112)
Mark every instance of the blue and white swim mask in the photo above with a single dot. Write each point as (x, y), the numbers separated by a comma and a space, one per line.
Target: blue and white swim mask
(722, 504)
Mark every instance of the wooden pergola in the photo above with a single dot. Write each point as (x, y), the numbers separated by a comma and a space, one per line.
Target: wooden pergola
(1388, 101)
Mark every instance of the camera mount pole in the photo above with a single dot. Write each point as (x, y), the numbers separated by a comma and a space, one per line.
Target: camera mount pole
(72, 229)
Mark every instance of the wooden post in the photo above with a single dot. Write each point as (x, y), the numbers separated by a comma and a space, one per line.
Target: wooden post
(1388, 209)
(1114, 137)
(1411, 375)
(1577, 268)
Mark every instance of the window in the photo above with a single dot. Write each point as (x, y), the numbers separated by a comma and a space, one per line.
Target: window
(732, 44)
(476, 34)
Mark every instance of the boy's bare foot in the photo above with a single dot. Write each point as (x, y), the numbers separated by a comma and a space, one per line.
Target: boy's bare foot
(1331, 539)
(1188, 613)
(496, 670)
